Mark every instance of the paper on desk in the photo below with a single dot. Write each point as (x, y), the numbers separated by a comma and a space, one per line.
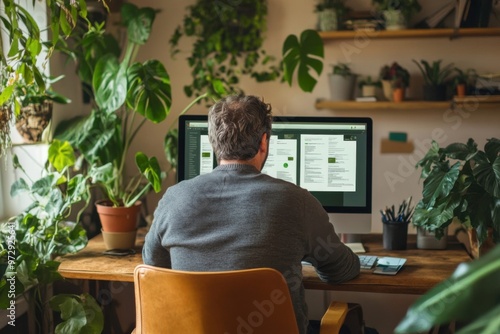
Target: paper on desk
(390, 261)
(356, 247)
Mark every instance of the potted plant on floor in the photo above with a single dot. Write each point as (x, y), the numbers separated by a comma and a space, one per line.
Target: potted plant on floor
(32, 241)
(341, 81)
(331, 14)
(397, 13)
(394, 76)
(127, 94)
(462, 183)
(435, 78)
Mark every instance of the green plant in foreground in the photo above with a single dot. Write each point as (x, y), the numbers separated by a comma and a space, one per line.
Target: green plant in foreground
(471, 295)
(42, 234)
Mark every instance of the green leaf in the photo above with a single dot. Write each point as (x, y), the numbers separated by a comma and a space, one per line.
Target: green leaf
(439, 183)
(61, 155)
(19, 187)
(304, 55)
(150, 168)
(150, 92)
(486, 174)
(170, 147)
(492, 148)
(472, 284)
(138, 22)
(109, 83)
(488, 323)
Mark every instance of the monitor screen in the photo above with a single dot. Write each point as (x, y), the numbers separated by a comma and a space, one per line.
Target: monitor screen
(329, 156)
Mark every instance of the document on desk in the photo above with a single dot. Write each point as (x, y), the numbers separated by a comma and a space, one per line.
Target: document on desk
(389, 265)
(356, 247)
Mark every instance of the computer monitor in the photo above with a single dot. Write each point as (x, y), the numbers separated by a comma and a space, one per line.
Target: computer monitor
(329, 156)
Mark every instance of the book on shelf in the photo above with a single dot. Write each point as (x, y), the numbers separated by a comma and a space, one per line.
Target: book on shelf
(461, 9)
(366, 99)
(439, 15)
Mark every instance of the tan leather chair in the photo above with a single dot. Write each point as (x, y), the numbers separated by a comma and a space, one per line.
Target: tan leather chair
(243, 301)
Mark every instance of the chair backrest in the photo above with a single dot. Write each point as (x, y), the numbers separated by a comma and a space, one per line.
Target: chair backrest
(253, 301)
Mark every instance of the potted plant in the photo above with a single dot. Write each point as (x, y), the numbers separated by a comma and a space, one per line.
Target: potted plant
(126, 94)
(330, 13)
(397, 13)
(368, 86)
(341, 81)
(23, 54)
(464, 81)
(435, 78)
(32, 241)
(33, 107)
(462, 183)
(394, 76)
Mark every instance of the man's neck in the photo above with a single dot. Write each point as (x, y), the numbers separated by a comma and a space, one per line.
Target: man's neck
(251, 162)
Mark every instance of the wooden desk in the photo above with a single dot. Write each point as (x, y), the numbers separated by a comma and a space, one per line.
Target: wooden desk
(423, 268)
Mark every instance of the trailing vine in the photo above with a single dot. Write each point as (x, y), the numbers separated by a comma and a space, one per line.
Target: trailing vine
(229, 36)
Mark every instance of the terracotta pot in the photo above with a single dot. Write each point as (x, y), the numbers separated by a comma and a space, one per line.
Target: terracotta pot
(398, 94)
(479, 250)
(118, 219)
(33, 120)
(461, 88)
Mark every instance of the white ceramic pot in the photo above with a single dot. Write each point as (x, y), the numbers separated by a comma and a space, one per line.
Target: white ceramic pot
(368, 90)
(427, 240)
(394, 20)
(327, 20)
(341, 88)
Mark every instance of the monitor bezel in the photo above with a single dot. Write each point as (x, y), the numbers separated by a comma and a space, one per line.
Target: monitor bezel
(329, 119)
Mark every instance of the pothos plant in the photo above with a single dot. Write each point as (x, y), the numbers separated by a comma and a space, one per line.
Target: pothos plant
(126, 94)
(228, 44)
(24, 51)
(33, 240)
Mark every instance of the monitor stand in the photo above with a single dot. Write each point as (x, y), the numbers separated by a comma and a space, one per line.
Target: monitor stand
(350, 226)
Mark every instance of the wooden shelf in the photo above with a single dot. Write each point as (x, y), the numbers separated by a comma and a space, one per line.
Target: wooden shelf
(410, 33)
(479, 102)
(382, 105)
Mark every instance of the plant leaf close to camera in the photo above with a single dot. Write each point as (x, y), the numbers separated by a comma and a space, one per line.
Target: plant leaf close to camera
(469, 295)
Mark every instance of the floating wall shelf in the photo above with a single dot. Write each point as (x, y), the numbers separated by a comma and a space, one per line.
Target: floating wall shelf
(410, 33)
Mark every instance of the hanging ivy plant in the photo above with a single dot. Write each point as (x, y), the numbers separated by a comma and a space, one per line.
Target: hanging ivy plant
(229, 38)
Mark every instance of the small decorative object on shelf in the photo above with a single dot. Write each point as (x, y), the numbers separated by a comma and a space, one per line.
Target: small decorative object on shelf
(464, 81)
(394, 76)
(435, 78)
(368, 86)
(397, 13)
(331, 14)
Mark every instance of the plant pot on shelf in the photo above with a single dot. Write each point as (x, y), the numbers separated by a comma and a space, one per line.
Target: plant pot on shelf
(119, 240)
(118, 219)
(387, 90)
(394, 20)
(341, 87)
(33, 120)
(368, 90)
(461, 90)
(327, 20)
(398, 94)
(434, 93)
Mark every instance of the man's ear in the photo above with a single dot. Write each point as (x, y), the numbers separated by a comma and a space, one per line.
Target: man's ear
(264, 141)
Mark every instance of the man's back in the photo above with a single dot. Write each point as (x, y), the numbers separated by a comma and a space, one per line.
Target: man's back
(236, 218)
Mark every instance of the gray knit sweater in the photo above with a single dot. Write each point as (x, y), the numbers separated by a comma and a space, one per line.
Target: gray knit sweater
(236, 218)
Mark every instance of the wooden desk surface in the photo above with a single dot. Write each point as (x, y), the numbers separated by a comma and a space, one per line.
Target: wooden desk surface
(423, 268)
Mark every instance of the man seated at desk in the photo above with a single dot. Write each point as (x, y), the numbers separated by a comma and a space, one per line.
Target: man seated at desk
(235, 217)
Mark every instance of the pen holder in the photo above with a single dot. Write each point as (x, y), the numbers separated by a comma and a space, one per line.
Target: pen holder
(395, 235)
